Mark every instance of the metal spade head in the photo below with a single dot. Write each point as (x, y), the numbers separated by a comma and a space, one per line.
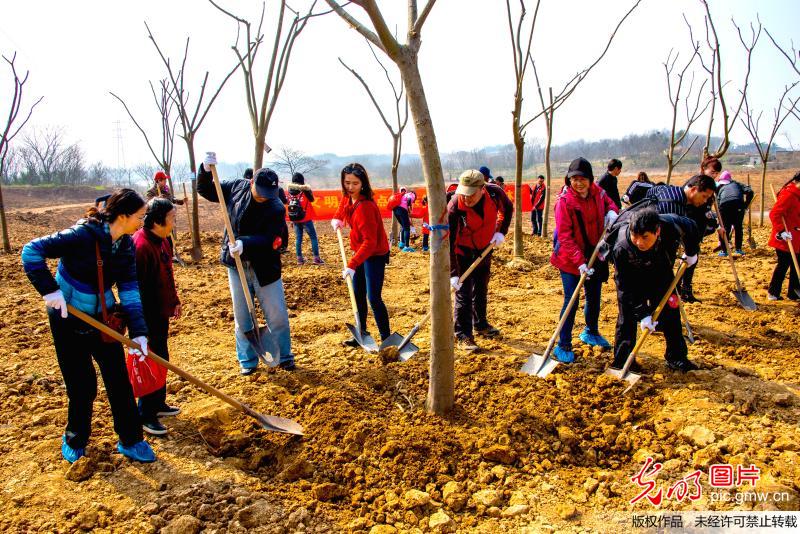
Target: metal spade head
(264, 345)
(365, 341)
(406, 352)
(273, 423)
(745, 299)
(539, 365)
(629, 377)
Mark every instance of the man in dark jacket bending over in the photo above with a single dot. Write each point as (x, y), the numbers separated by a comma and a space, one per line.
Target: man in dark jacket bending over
(257, 218)
(643, 257)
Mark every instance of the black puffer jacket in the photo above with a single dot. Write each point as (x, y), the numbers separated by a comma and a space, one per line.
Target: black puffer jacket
(256, 224)
(734, 191)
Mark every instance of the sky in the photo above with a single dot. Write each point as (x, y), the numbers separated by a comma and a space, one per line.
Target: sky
(77, 52)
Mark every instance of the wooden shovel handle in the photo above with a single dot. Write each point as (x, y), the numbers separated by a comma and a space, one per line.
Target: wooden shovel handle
(728, 246)
(349, 280)
(188, 213)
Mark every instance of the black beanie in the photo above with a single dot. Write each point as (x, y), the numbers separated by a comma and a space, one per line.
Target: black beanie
(298, 178)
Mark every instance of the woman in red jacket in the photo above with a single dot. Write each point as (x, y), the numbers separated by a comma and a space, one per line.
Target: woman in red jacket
(369, 244)
(786, 208)
(582, 211)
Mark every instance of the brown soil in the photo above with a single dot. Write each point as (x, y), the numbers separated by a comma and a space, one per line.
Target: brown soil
(517, 453)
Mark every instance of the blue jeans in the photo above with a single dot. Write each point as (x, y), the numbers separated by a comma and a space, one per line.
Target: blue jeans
(273, 303)
(591, 310)
(536, 221)
(401, 214)
(367, 285)
(308, 227)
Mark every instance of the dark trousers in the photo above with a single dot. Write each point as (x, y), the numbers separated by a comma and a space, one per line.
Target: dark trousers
(158, 332)
(733, 216)
(284, 237)
(76, 344)
(425, 240)
(368, 285)
(401, 214)
(536, 221)
(470, 309)
(592, 289)
(776, 284)
(685, 283)
(669, 322)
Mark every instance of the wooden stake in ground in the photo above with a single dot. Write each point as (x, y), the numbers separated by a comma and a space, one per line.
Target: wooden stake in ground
(750, 240)
(188, 213)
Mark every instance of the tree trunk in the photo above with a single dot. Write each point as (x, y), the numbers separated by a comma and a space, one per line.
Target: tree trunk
(197, 250)
(258, 157)
(4, 223)
(395, 166)
(519, 148)
(441, 392)
(546, 214)
(763, 190)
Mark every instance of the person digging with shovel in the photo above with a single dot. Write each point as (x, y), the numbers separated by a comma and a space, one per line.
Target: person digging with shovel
(160, 300)
(98, 248)
(370, 246)
(582, 212)
(257, 219)
(479, 214)
(643, 256)
(786, 210)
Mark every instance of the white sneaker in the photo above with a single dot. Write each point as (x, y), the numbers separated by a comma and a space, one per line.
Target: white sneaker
(770, 296)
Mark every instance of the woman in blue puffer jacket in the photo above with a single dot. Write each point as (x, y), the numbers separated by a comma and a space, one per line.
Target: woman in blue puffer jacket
(106, 231)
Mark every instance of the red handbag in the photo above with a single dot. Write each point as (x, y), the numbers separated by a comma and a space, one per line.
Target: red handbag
(115, 319)
(146, 376)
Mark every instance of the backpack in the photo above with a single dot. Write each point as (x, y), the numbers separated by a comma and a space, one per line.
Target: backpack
(636, 192)
(295, 208)
(622, 221)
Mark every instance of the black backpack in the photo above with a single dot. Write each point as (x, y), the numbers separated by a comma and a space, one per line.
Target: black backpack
(295, 208)
(636, 192)
(622, 221)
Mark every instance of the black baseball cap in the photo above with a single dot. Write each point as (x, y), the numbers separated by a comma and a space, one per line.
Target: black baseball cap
(266, 180)
(580, 167)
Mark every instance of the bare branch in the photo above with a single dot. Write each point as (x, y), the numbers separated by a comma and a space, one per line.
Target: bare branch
(793, 58)
(417, 28)
(360, 28)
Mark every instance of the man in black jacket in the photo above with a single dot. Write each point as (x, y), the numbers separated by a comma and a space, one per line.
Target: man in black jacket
(643, 255)
(609, 181)
(257, 218)
(733, 198)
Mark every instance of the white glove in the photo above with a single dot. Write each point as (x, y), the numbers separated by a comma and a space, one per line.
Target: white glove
(584, 269)
(690, 260)
(347, 271)
(413, 230)
(648, 324)
(210, 159)
(337, 224)
(236, 248)
(142, 341)
(785, 236)
(497, 239)
(56, 301)
(455, 283)
(611, 216)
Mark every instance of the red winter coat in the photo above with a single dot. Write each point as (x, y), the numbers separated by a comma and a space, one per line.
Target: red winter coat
(156, 280)
(787, 207)
(568, 253)
(306, 201)
(367, 235)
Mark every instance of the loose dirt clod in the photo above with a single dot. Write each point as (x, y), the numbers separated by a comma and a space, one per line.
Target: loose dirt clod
(389, 355)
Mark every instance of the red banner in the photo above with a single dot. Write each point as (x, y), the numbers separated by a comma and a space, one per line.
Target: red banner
(327, 202)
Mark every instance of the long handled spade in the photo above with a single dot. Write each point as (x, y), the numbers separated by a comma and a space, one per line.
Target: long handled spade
(740, 293)
(788, 241)
(750, 241)
(624, 373)
(268, 422)
(365, 341)
(260, 338)
(542, 365)
(188, 214)
(689, 334)
(405, 348)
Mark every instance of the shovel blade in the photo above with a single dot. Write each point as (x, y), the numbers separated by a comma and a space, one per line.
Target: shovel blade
(273, 423)
(406, 352)
(629, 377)
(539, 365)
(365, 341)
(752, 243)
(745, 300)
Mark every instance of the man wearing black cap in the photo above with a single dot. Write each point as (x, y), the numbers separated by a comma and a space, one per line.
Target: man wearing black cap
(257, 217)
(487, 175)
(609, 181)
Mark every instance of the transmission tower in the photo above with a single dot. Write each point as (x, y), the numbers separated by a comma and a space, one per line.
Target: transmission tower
(120, 147)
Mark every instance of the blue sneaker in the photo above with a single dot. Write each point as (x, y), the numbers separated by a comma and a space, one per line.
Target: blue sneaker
(563, 355)
(739, 252)
(594, 340)
(71, 455)
(401, 245)
(141, 451)
(722, 254)
(409, 249)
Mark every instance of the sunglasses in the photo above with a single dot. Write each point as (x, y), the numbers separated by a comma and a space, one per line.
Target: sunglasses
(354, 170)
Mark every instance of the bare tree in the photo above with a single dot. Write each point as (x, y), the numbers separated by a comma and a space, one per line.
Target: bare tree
(441, 391)
(548, 109)
(165, 103)
(48, 158)
(145, 172)
(751, 123)
(292, 160)
(191, 118)
(260, 112)
(713, 67)
(693, 110)
(10, 132)
(400, 115)
(793, 56)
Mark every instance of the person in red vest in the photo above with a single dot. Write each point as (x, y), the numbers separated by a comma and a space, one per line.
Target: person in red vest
(426, 233)
(479, 214)
(786, 208)
(369, 243)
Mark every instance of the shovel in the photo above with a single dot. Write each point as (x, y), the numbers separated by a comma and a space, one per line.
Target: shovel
(260, 338)
(689, 334)
(788, 241)
(365, 341)
(405, 348)
(268, 422)
(741, 294)
(624, 373)
(750, 241)
(542, 365)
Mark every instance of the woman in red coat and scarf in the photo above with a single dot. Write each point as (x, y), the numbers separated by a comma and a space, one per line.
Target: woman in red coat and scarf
(786, 208)
(369, 244)
(582, 212)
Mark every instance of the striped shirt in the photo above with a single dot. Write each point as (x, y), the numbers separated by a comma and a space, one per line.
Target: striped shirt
(671, 199)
